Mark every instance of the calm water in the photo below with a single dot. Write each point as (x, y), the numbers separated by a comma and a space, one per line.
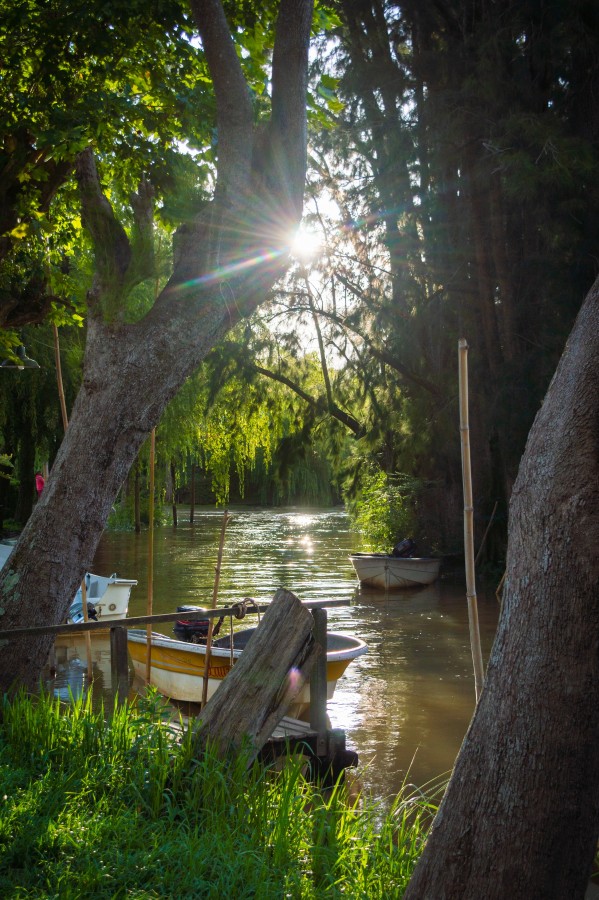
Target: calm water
(405, 705)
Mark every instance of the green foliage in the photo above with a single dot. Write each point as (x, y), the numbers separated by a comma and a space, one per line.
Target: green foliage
(382, 508)
(107, 806)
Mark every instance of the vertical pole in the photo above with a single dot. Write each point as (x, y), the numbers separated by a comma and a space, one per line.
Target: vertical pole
(477, 658)
(173, 480)
(63, 405)
(219, 560)
(88, 637)
(150, 602)
(119, 662)
(318, 682)
(193, 494)
(65, 425)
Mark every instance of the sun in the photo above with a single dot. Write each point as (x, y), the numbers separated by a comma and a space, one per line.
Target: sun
(306, 245)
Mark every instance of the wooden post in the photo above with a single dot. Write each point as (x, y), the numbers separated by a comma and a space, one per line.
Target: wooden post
(65, 425)
(318, 682)
(119, 662)
(193, 494)
(174, 498)
(477, 658)
(88, 637)
(219, 560)
(150, 558)
(136, 500)
(265, 680)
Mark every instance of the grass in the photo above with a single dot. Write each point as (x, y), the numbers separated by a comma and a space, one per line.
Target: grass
(119, 808)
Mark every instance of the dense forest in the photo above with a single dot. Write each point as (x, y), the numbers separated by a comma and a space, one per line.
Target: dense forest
(453, 165)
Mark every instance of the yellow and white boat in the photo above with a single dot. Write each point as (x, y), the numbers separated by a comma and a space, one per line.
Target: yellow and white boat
(177, 667)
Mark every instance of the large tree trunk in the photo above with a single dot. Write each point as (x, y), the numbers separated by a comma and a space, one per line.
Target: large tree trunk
(520, 817)
(225, 263)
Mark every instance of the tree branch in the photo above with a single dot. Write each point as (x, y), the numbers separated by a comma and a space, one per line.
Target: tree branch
(142, 240)
(111, 244)
(315, 402)
(383, 355)
(289, 87)
(233, 104)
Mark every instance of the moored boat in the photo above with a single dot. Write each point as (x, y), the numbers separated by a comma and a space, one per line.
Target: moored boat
(177, 667)
(107, 598)
(381, 570)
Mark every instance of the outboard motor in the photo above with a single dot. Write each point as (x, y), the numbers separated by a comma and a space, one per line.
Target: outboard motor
(92, 612)
(194, 631)
(404, 549)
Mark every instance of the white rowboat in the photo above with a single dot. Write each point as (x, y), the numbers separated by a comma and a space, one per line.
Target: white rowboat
(395, 572)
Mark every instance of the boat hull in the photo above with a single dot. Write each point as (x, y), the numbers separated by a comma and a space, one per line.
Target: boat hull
(390, 573)
(177, 667)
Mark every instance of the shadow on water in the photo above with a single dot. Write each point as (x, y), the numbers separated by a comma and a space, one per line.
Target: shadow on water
(405, 705)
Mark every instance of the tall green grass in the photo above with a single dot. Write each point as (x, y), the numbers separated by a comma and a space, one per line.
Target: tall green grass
(95, 807)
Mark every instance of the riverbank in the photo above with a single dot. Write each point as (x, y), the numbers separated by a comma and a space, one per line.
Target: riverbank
(117, 806)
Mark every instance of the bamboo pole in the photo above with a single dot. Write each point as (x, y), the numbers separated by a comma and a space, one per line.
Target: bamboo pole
(219, 560)
(63, 405)
(150, 602)
(477, 658)
(65, 425)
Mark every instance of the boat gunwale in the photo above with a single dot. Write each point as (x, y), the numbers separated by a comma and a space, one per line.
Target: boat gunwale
(408, 559)
(139, 636)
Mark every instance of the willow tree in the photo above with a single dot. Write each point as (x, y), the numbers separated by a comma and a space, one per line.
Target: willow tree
(226, 258)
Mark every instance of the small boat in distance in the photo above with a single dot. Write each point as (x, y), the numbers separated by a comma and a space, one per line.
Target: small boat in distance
(177, 667)
(107, 598)
(387, 572)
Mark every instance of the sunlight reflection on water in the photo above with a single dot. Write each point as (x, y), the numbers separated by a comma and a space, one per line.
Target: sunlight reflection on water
(405, 705)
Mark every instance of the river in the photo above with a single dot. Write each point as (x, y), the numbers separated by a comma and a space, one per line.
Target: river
(405, 705)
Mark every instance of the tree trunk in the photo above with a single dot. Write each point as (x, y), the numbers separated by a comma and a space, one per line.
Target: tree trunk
(226, 261)
(259, 689)
(520, 817)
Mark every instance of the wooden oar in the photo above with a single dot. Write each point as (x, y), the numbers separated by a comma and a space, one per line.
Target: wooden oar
(219, 560)
(477, 657)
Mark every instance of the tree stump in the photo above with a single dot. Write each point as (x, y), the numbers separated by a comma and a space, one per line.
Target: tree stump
(268, 675)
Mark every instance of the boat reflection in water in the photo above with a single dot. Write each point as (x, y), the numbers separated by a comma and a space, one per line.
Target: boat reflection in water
(66, 676)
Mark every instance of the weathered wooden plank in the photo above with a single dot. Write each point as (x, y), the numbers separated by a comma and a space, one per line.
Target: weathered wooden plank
(259, 689)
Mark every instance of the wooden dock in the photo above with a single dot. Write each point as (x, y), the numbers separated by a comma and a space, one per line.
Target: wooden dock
(327, 759)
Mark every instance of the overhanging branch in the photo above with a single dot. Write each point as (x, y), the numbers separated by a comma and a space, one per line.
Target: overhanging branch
(233, 104)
